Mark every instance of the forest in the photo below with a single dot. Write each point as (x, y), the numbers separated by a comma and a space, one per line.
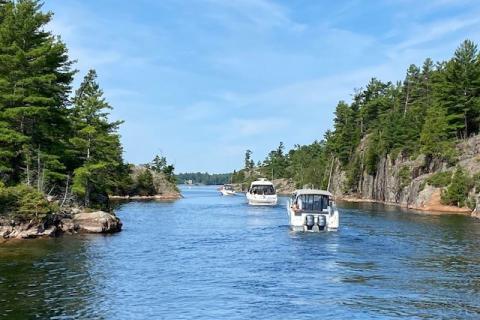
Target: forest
(427, 113)
(57, 146)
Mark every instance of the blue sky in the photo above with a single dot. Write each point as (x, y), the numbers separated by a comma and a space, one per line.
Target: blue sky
(201, 81)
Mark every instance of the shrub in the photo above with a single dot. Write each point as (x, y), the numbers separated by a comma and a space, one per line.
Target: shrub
(404, 176)
(457, 192)
(24, 203)
(145, 185)
(440, 179)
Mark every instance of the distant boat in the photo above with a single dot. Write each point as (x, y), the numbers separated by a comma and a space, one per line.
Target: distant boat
(227, 190)
(312, 210)
(262, 193)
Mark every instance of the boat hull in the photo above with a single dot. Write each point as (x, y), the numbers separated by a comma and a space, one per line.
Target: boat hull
(262, 200)
(227, 192)
(313, 221)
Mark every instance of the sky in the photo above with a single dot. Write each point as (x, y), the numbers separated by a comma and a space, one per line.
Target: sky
(201, 81)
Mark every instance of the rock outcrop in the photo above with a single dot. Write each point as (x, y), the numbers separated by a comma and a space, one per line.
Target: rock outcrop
(81, 222)
(402, 181)
(159, 188)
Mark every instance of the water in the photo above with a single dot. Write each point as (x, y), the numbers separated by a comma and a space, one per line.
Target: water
(212, 257)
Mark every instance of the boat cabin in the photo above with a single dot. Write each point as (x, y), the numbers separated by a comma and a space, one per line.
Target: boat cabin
(262, 189)
(310, 200)
(228, 187)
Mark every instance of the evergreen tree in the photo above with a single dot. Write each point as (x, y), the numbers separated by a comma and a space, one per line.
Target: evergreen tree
(249, 164)
(96, 142)
(459, 90)
(434, 137)
(35, 77)
(457, 192)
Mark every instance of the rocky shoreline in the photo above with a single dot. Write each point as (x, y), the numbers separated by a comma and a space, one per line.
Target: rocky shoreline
(73, 221)
(159, 197)
(435, 209)
(58, 224)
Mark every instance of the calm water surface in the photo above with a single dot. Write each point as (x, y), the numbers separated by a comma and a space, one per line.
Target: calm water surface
(212, 257)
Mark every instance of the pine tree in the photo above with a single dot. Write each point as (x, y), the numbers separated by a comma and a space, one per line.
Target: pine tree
(434, 137)
(457, 192)
(248, 160)
(459, 90)
(35, 77)
(95, 143)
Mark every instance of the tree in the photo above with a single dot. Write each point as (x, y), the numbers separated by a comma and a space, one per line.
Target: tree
(249, 164)
(459, 90)
(411, 86)
(457, 192)
(434, 136)
(145, 185)
(159, 164)
(95, 143)
(35, 77)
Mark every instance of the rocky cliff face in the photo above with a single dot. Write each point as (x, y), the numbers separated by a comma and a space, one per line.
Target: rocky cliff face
(402, 181)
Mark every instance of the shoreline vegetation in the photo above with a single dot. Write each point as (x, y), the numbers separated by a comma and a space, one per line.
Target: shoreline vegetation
(60, 154)
(413, 143)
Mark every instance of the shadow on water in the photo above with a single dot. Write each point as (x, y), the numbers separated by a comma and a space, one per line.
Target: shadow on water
(47, 278)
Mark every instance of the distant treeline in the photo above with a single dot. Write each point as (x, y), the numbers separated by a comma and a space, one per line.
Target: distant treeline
(204, 178)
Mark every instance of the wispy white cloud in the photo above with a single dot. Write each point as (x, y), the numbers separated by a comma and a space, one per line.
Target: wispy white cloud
(214, 77)
(256, 126)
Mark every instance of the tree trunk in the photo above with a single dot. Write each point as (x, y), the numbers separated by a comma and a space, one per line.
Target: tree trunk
(406, 101)
(87, 194)
(330, 175)
(466, 123)
(39, 170)
(66, 191)
(88, 149)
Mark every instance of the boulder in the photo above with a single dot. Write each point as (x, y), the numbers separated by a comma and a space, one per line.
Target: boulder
(96, 222)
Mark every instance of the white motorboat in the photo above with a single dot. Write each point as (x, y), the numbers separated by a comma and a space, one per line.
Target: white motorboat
(262, 193)
(312, 210)
(227, 190)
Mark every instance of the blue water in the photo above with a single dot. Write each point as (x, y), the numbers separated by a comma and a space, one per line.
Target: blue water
(212, 257)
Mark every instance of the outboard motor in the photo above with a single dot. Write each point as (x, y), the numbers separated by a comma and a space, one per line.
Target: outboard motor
(310, 222)
(322, 222)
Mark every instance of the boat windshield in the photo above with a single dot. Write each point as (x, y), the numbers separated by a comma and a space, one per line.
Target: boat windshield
(312, 202)
(228, 187)
(263, 190)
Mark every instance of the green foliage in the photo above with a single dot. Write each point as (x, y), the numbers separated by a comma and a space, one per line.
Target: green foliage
(24, 203)
(458, 90)
(457, 192)
(49, 142)
(95, 145)
(404, 176)
(440, 179)
(434, 136)
(159, 164)
(144, 185)
(425, 113)
(476, 181)
(35, 77)
(238, 177)
(276, 163)
(249, 164)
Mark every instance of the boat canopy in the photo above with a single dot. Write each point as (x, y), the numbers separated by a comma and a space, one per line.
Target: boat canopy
(312, 191)
(262, 182)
